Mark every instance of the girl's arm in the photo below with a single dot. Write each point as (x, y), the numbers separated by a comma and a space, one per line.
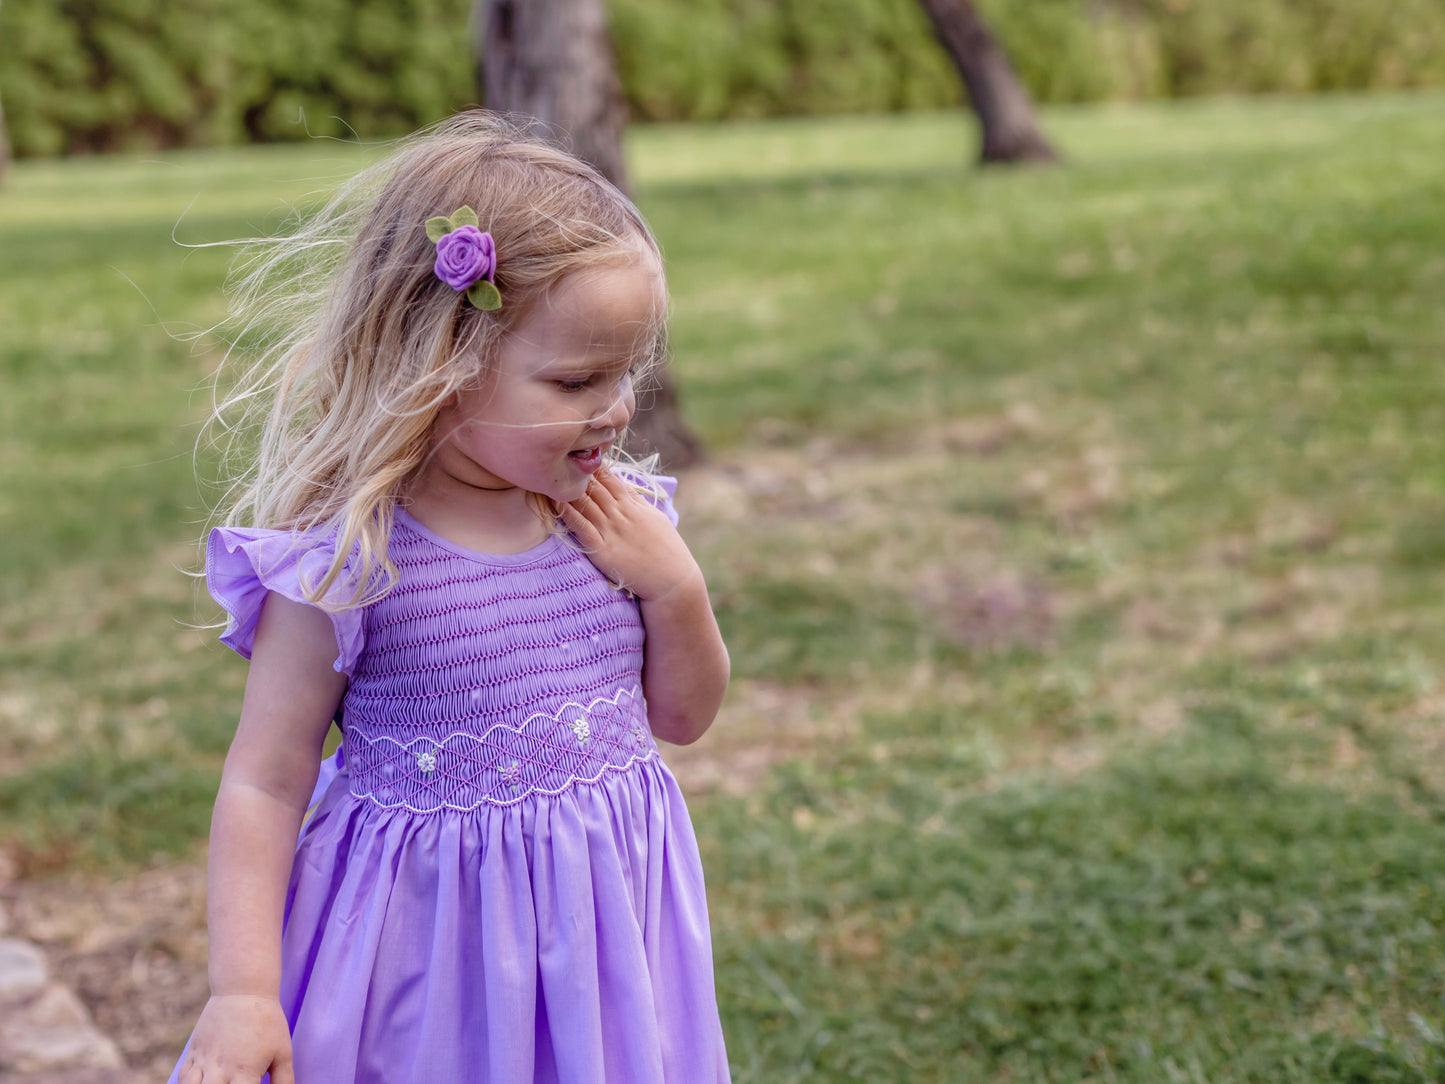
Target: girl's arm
(291, 697)
(685, 663)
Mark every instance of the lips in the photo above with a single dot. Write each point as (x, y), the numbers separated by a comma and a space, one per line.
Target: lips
(590, 458)
(593, 451)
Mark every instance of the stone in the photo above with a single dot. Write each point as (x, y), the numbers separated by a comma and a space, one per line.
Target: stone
(53, 1031)
(23, 972)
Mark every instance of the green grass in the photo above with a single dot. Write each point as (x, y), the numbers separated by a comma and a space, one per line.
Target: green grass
(1077, 535)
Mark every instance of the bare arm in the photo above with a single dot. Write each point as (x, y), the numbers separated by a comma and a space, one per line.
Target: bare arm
(685, 663)
(291, 696)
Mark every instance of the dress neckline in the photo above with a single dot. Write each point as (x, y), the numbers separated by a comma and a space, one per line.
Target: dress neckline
(524, 557)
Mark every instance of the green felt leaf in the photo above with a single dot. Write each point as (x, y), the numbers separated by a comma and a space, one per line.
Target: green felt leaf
(465, 216)
(437, 228)
(485, 296)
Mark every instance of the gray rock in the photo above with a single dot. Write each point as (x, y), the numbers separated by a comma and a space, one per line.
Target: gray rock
(53, 1031)
(23, 972)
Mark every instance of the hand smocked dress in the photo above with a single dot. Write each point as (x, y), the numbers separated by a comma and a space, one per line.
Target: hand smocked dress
(500, 884)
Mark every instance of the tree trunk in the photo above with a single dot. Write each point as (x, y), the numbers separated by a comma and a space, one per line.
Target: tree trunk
(4, 145)
(998, 97)
(552, 60)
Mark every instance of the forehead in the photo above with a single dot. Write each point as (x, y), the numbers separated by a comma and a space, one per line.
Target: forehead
(613, 307)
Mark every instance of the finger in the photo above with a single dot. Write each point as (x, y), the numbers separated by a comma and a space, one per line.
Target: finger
(281, 1072)
(585, 507)
(613, 485)
(600, 493)
(582, 528)
(586, 499)
(608, 494)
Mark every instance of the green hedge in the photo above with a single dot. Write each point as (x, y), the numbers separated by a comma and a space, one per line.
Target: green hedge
(96, 75)
(90, 75)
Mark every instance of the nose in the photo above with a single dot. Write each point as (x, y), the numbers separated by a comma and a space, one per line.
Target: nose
(617, 413)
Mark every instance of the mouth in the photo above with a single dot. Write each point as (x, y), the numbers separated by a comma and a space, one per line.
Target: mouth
(589, 459)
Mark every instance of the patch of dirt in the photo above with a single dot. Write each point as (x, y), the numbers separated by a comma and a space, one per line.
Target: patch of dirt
(134, 951)
(1423, 733)
(990, 611)
(760, 725)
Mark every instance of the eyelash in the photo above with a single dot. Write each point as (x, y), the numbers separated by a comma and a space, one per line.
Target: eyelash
(579, 385)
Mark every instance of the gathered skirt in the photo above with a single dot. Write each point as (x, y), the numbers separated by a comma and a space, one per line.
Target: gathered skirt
(560, 939)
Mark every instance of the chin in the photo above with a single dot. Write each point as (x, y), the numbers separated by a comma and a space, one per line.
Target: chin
(566, 493)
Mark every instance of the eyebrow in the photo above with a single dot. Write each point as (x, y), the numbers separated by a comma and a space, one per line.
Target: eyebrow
(579, 365)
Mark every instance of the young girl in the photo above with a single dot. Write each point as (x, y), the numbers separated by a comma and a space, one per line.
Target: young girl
(499, 883)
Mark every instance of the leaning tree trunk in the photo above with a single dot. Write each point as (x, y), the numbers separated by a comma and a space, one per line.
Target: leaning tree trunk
(998, 97)
(553, 60)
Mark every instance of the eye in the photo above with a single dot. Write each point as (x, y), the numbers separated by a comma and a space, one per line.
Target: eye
(583, 383)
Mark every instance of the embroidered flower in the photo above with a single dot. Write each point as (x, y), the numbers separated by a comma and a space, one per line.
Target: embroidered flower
(637, 737)
(512, 775)
(582, 730)
(427, 762)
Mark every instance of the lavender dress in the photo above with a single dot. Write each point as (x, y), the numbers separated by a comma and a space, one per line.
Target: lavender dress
(500, 885)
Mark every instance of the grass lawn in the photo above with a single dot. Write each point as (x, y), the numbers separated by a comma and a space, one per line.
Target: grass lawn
(1077, 534)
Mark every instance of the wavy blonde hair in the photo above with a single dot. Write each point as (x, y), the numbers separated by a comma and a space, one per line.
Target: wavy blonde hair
(360, 344)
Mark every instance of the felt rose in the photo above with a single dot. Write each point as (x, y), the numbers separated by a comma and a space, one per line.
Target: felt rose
(465, 256)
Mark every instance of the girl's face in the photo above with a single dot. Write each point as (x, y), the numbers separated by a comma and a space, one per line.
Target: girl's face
(561, 391)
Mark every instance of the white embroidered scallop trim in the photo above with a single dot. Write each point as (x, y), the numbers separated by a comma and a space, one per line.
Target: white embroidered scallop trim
(511, 775)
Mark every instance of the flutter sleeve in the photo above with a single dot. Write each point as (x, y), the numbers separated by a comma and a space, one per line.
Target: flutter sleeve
(244, 563)
(660, 489)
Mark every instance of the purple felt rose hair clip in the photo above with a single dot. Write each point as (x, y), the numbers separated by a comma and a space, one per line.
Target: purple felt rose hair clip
(466, 257)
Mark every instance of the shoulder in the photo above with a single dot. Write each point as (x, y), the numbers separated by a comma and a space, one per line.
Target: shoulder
(245, 564)
(660, 489)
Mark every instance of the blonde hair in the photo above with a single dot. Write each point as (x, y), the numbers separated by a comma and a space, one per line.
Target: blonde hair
(362, 344)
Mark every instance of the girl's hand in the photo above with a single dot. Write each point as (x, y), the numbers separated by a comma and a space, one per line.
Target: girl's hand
(239, 1038)
(633, 543)
(629, 539)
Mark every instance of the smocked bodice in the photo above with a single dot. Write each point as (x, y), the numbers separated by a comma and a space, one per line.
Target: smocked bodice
(486, 679)
(477, 679)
